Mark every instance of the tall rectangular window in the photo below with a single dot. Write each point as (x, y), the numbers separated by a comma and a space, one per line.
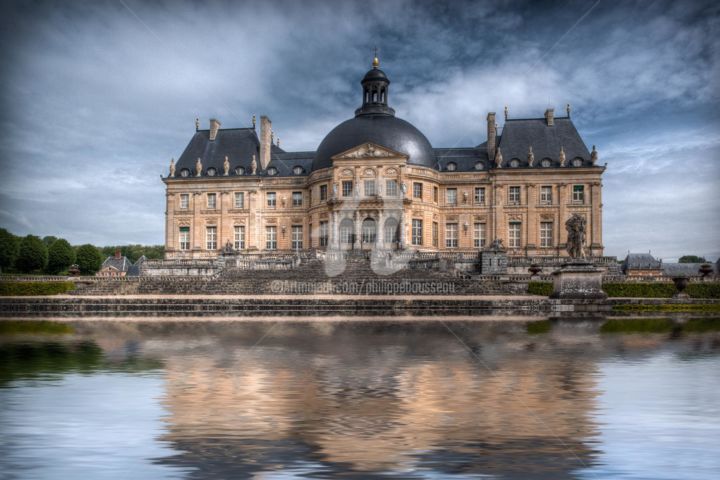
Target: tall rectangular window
(271, 237)
(417, 190)
(239, 199)
(347, 188)
(451, 196)
(297, 237)
(435, 194)
(546, 195)
(323, 193)
(239, 237)
(391, 188)
(514, 234)
(297, 199)
(451, 235)
(184, 238)
(211, 201)
(546, 234)
(417, 232)
(578, 194)
(211, 238)
(323, 234)
(480, 195)
(369, 187)
(184, 201)
(514, 195)
(271, 199)
(479, 235)
(435, 234)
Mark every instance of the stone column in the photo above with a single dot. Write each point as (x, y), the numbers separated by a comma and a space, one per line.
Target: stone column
(224, 230)
(532, 240)
(170, 221)
(562, 202)
(379, 240)
(498, 217)
(596, 217)
(358, 230)
(252, 240)
(197, 227)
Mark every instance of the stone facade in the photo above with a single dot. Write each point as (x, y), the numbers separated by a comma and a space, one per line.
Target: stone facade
(373, 196)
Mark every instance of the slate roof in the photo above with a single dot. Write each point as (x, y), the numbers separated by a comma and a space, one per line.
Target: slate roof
(641, 261)
(121, 264)
(134, 269)
(240, 144)
(686, 269)
(546, 140)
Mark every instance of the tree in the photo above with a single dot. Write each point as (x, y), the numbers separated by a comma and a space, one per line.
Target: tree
(60, 256)
(9, 249)
(692, 259)
(49, 240)
(33, 254)
(88, 259)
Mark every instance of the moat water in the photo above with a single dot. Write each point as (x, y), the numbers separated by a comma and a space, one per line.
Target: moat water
(444, 399)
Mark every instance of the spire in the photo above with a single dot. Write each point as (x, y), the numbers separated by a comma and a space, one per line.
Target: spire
(593, 155)
(376, 60)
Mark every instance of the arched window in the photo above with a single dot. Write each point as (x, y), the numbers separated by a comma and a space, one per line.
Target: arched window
(347, 231)
(391, 230)
(369, 231)
(298, 170)
(239, 171)
(451, 167)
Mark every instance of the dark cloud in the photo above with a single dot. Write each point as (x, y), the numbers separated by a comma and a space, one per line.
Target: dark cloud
(97, 96)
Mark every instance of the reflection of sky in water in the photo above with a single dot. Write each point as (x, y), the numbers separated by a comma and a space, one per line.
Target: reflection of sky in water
(659, 418)
(321, 402)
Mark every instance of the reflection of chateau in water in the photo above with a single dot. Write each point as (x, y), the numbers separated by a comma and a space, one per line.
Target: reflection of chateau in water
(368, 403)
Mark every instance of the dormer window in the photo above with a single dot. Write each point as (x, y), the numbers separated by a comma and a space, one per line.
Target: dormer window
(184, 172)
(211, 172)
(479, 166)
(451, 167)
(239, 171)
(546, 162)
(272, 171)
(514, 163)
(577, 162)
(298, 170)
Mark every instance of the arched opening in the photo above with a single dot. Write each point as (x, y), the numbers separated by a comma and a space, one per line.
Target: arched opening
(391, 231)
(369, 231)
(347, 232)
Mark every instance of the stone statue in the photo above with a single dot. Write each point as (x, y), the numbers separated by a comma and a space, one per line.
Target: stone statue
(226, 166)
(576, 227)
(498, 158)
(497, 244)
(562, 156)
(198, 167)
(531, 157)
(335, 190)
(172, 167)
(593, 155)
(253, 165)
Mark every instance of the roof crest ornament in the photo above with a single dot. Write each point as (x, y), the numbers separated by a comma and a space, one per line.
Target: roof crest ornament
(172, 167)
(376, 61)
(198, 167)
(253, 120)
(253, 165)
(506, 112)
(567, 109)
(197, 124)
(498, 158)
(593, 155)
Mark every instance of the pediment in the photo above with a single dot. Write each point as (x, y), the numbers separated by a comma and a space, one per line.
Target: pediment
(369, 150)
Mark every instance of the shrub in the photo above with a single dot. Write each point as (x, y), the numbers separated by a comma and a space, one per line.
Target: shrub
(9, 248)
(9, 327)
(704, 290)
(33, 255)
(540, 326)
(540, 288)
(88, 259)
(34, 288)
(60, 256)
(700, 325)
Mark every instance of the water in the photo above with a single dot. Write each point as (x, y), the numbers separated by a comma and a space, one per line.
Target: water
(358, 400)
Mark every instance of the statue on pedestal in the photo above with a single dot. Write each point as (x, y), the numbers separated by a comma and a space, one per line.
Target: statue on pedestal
(172, 167)
(226, 166)
(253, 165)
(576, 227)
(198, 167)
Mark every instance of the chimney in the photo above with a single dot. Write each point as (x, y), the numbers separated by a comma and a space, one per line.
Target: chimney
(550, 116)
(214, 127)
(491, 133)
(265, 141)
(117, 253)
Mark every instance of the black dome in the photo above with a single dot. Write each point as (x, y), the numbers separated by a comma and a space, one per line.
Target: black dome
(384, 130)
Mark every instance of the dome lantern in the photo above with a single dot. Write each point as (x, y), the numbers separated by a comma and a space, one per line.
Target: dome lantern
(375, 92)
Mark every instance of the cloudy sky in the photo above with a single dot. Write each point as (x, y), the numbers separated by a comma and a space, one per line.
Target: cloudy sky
(98, 96)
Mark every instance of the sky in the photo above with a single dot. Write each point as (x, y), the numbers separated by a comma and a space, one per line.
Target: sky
(96, 97)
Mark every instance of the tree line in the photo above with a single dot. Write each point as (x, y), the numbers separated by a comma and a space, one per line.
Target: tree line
(54, 256)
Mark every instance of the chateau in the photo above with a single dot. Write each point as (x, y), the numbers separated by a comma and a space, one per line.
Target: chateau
(376, 182)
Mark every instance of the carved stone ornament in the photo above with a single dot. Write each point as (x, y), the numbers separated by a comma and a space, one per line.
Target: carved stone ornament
(369, 172)
(576, 227)
(347, 173)
(498, 158)
(562, 156)
(253, 165)
(547, 216)
(593, 155)
(226, 166)
(198, 167)
(368, 150)
(172, 167)
(391, 171)
(531, 156)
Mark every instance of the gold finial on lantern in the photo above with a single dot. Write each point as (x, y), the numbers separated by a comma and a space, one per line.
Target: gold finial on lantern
(376, 60)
